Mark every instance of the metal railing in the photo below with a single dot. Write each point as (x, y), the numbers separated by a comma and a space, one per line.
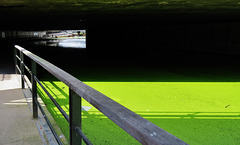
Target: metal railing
(141, 129)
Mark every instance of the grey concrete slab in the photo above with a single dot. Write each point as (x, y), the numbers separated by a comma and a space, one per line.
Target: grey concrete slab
(9, 81)
(42, 125)
(17, 126)
(16, 123)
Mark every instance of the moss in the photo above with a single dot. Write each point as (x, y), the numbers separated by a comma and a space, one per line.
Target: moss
(56, 7)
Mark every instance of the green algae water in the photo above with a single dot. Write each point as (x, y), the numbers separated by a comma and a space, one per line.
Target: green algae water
(199, 113)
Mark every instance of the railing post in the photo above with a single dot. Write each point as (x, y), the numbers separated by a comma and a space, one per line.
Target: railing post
(34, 89)
(75, 110)
(15, 59)
(22, 69)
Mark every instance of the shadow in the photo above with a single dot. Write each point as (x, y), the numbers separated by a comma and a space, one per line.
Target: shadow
(96, 125)
(6, 58)
(201, 131)
(60, 89)
(192, 127)
(127, 72)
(55, 113)
(61, 100)
(17, 102)
(174, 115)
(168, 66)
(129, 64)
(3, 77)
(187, 67)
(190, 115)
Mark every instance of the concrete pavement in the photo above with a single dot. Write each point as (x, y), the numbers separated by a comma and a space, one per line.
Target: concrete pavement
(17, 126)
(9, 81)
(16, 122)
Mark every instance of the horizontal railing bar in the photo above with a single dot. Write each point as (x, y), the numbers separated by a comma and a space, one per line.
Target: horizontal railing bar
(18, 69)
(84, 137)
(18, 57)
(53, 100)
(49, 124)
(41, 109)
(141, 129)
(26, 67)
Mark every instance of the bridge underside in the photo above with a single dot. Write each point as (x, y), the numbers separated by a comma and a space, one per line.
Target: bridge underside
(64, 14)
(135, 29)
(176, 36)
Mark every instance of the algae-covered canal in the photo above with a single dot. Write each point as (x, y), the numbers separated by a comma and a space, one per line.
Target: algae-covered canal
(197, 102)
(197, 107)
(194, 98)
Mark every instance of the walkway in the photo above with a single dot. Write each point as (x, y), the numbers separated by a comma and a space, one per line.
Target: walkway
(16, 122)
(17, 125)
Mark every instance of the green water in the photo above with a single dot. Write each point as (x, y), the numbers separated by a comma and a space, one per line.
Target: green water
(198, 112)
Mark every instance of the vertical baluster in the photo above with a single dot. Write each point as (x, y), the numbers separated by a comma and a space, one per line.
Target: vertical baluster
(75, 106)
(22, 69)
(34, 89)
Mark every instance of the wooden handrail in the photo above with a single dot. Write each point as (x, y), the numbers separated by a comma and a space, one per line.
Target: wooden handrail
(141, 129)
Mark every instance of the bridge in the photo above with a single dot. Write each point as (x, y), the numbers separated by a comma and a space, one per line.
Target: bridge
(141, 31)
(25, 120)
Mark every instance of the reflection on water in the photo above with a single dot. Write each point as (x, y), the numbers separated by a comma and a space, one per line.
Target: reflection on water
(65, 43)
